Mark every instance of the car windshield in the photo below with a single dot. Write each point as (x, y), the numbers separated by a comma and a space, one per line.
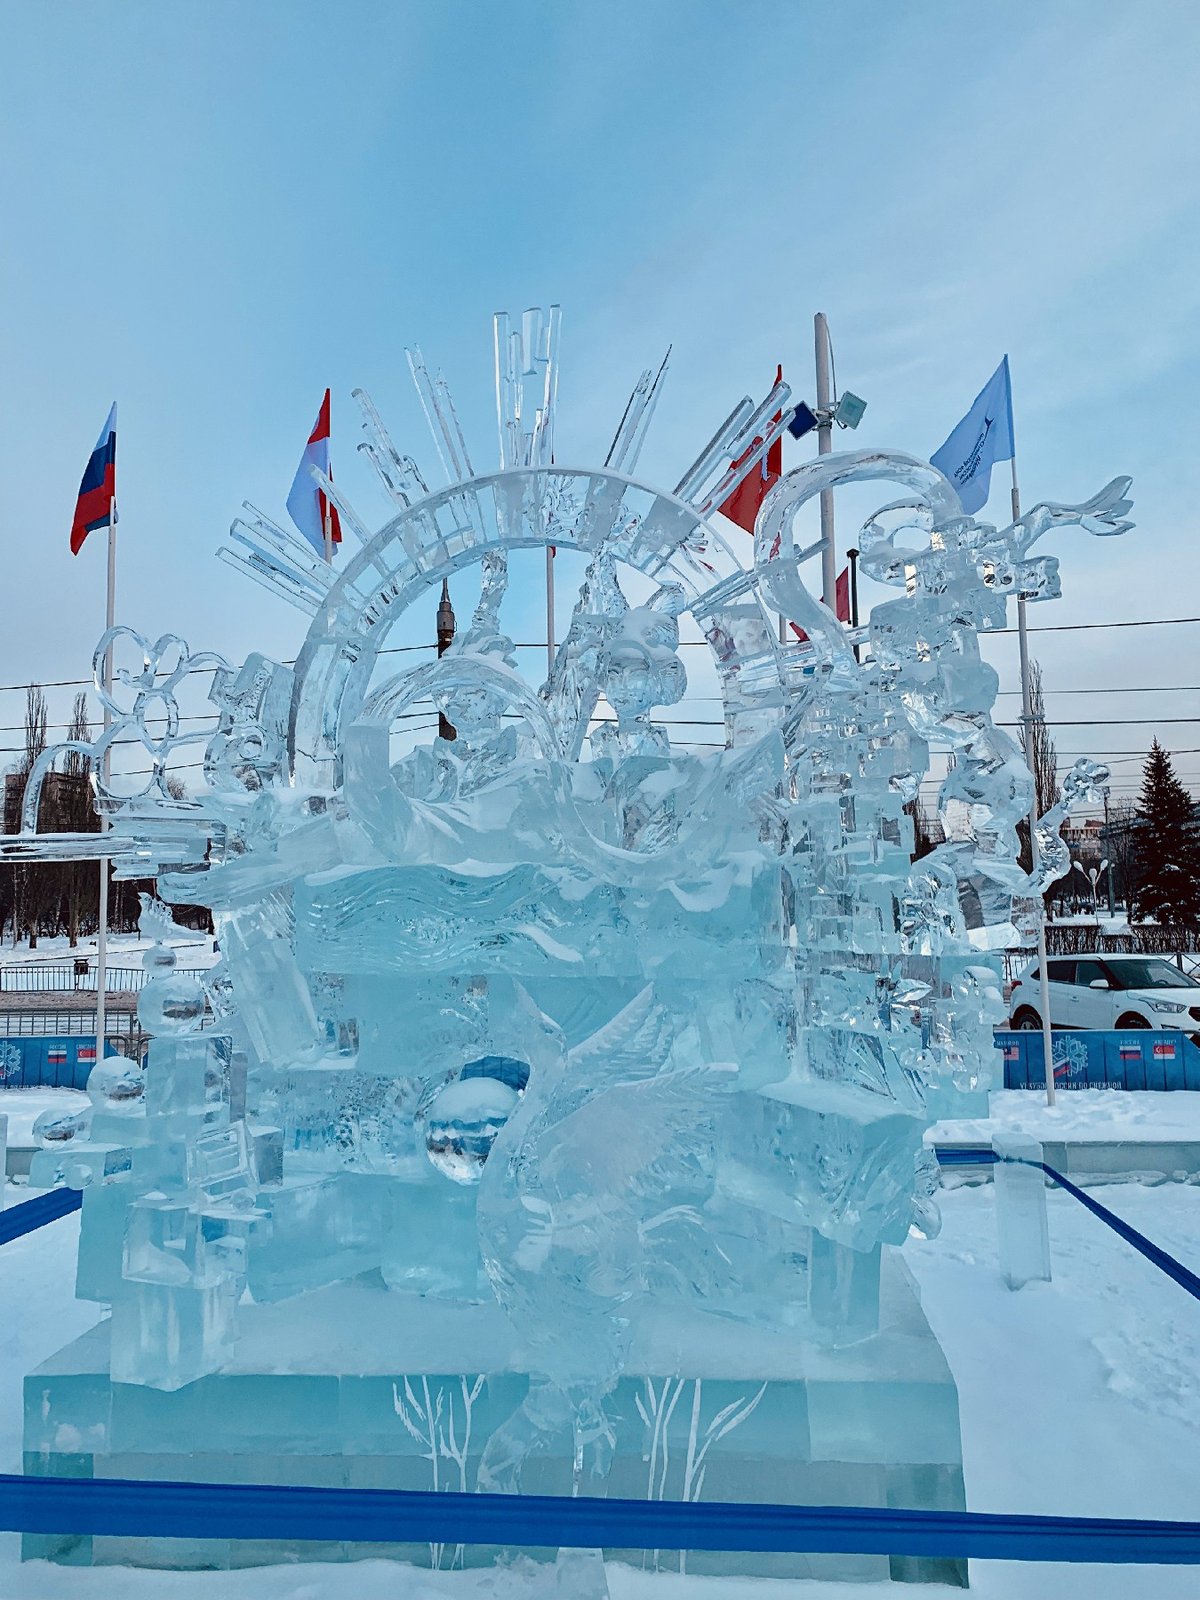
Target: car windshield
(1150, 974)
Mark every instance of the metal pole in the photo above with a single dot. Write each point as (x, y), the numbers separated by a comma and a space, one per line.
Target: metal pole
(824, 447)
(1027, 724)
(1112, 909)
(852, 558)
(105, 775)
(549, 611)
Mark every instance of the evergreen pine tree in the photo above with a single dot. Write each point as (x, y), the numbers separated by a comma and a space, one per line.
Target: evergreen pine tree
(1166, 864)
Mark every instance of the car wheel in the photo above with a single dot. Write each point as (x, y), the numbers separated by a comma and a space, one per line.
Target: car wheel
(1027, 1021)
(1132, 1020)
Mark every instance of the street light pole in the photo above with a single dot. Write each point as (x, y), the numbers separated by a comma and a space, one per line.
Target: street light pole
(824, 448)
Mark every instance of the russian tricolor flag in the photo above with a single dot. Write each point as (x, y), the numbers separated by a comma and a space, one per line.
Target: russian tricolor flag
(98, 490)
(307, 505)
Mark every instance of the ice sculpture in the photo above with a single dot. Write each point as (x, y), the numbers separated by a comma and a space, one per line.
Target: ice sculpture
(587, 1045)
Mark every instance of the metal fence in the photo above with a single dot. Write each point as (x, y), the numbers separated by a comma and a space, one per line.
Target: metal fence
(1087, 938)
(43, 1024)
(35, 979)
(1081, 938)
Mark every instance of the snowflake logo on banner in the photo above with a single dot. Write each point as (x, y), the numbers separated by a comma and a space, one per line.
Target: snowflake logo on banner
(10, 1060)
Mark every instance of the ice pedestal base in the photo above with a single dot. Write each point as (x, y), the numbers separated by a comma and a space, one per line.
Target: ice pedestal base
(356, 1385)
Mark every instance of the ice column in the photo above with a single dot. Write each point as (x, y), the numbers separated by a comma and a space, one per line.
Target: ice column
(1021, 1210)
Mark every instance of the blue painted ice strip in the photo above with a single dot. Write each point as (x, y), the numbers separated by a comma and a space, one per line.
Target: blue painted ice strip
(133, 1509)
(36, 1213)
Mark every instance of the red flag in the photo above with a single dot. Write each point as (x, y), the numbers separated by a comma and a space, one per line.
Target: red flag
(841, 603)
(743, 504)
(842, 589)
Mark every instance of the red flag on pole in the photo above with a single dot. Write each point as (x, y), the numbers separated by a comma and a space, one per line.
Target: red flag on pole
(842, 603)
(743, 504)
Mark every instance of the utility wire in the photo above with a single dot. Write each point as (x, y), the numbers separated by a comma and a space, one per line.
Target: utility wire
(695, 644)
(1132, 688)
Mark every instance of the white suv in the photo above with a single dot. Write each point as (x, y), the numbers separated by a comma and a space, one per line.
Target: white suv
(1093, 991)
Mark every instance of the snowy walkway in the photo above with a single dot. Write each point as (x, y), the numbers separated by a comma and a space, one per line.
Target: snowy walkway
(1078, 1397)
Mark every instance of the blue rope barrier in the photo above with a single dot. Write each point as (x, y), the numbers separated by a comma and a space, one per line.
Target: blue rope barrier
(1183, 1276)
(36, 1213)
(133, 1509)
(964, 1156)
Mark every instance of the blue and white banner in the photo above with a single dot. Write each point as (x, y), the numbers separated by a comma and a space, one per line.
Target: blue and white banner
(984, 436)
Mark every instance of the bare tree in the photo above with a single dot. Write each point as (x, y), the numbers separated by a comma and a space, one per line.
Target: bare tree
(32, 886)
(1120, 845)
(77, 814)
(1040, 753)
(1037, 742)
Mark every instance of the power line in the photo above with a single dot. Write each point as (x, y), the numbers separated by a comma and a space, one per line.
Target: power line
(1080, 627)
(1099, 722)
(694, 644)
(1132, 688)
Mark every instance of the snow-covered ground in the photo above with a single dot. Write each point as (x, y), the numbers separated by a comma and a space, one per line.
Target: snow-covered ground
(124, 950)
(1124, 1114)
(1080, 1397)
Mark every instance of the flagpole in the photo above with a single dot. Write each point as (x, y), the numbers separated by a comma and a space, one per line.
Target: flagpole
(110, 607)
(328, 527)
(1027, 720)
(824, 447)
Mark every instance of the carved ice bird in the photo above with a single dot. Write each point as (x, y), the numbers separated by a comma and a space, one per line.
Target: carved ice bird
(569, 1203)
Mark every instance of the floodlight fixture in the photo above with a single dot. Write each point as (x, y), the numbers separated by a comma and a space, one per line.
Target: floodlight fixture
(849, 410)
(804, 421)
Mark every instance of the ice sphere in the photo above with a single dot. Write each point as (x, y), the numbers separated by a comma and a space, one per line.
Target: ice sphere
(171, 1005)
(116, 1085)
(462, 1124)
(56, 1128)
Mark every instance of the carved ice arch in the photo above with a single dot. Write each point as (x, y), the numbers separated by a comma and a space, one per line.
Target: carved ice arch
(583, 509)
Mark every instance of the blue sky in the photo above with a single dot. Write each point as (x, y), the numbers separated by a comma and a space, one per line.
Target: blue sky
(211, 212)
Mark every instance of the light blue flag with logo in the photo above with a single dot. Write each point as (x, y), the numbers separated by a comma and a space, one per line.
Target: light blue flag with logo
(984, 436)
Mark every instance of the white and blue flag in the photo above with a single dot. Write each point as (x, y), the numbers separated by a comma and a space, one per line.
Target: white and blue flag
(984, 436)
